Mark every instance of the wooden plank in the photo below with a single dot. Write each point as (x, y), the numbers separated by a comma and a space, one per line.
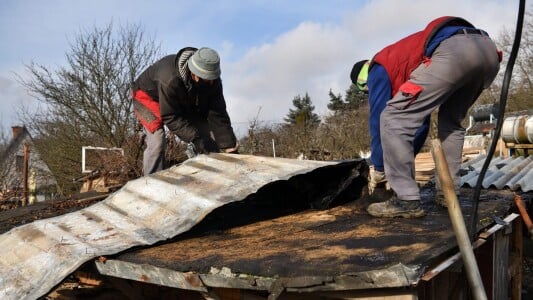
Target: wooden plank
(150, 274)
(515, 270)
(449, 262)
(237, 282)
(430, 274)
(425, 166)
(508, 220)
(500, 266)
(393, 294)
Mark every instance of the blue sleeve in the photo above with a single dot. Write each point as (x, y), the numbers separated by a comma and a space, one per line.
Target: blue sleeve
(379, 93)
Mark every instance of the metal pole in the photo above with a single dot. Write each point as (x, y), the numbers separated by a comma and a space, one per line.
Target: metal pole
(25, 175)
(523, 212)
(458, 224)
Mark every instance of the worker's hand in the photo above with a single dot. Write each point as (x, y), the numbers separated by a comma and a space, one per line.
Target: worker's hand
(196, 147)
(234, 150)
(377, 179)
(199, 146)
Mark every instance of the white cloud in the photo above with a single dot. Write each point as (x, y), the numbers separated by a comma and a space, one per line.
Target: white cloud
(315, 57)
(14, 98)
(311, 58)
(314, 52)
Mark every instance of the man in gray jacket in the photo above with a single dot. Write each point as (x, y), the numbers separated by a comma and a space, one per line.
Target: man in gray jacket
(183, 92)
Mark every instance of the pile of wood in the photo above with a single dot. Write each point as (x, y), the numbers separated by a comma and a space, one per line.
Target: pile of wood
(425, 166)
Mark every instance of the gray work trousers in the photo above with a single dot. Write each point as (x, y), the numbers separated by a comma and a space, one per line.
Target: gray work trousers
(154, 153)
(460, 68)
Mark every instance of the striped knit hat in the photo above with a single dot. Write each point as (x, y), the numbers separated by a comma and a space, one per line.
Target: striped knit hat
(205, 63)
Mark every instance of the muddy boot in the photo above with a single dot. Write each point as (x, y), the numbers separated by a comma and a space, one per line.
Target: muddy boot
(396, 208)
(441, 201)
(382, 193)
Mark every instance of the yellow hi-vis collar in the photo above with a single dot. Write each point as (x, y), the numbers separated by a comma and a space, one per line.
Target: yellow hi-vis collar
(363, 77)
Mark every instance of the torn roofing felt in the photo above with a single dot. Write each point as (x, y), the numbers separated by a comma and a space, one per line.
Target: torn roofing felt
(37, 256)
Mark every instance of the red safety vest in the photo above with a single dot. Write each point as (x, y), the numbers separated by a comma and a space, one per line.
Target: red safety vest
(402, 57)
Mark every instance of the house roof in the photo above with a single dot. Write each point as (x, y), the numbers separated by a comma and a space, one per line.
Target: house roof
(15, 144)
(514, 173)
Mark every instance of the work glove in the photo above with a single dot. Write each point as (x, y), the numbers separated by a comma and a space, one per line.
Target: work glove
(196, 147)
(377, 179)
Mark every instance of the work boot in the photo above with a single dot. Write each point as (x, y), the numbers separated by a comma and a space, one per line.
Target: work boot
(441, 201)
(396, 208)
(377, 179)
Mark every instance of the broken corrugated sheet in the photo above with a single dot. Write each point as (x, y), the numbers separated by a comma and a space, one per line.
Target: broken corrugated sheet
(515, 173)
(37, 256)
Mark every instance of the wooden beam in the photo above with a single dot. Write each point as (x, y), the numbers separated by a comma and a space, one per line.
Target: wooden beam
(150, 274)
(430, 274)
(500, 266)
(515, 268)
(25, 169)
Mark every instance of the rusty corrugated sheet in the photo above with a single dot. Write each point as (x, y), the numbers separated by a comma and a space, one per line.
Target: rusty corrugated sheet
(515, 173)
(37, 256)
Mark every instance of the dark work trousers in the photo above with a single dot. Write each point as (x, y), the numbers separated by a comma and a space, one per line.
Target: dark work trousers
(460, 68)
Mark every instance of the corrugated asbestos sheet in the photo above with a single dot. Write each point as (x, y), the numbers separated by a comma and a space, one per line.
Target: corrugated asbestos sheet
(515, 173)
(37, 256)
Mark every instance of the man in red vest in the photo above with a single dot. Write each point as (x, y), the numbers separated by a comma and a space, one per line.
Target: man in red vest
(183, 92)
(446, 66)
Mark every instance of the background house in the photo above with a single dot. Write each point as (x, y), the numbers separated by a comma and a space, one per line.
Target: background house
(41, 182)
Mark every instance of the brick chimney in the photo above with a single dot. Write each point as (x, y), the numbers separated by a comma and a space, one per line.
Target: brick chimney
(17, 130)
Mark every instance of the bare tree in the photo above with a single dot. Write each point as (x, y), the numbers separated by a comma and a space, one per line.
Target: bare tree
(345, 134)
(521, 86)
(88, 101)
(5, 167)
(4, 139)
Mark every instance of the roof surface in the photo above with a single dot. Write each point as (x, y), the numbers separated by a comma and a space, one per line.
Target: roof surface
(340, 248)
(37, 256)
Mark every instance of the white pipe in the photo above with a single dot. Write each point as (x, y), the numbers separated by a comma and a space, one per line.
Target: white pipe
(471, 121)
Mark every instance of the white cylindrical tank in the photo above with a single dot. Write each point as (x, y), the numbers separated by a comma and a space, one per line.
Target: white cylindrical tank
(518, 130)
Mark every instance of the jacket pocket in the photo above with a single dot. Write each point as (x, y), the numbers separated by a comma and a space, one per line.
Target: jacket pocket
(409, 92)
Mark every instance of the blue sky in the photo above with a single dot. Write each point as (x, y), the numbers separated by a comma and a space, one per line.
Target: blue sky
(271, 50)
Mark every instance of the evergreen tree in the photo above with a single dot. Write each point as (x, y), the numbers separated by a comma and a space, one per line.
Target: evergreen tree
(335, 102)
(352, 101)
(303, 114)
(354, 98)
